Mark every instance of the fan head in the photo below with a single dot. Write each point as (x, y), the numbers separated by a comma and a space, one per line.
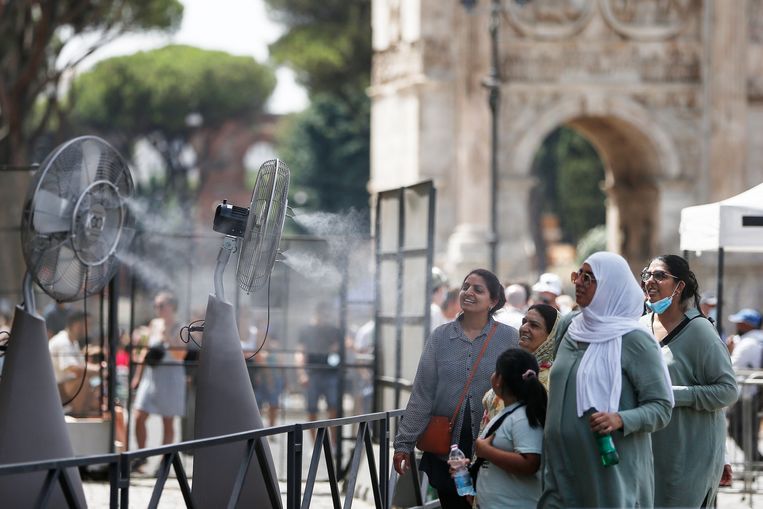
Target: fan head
(75, 221)
(264, 225)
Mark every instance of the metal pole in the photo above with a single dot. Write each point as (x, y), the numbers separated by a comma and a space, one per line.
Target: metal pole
(493, 84)
(111, 363)
(343, 289)
(719, 307)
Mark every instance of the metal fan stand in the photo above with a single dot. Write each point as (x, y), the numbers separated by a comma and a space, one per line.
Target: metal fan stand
(229, 246)
(27, 288)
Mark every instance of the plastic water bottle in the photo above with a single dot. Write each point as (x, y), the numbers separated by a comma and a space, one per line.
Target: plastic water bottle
(605, 445)
(461, 475)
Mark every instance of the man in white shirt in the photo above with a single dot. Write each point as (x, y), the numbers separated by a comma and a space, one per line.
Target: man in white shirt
(68, 362)
(439, 292)
(747, 354)
(516, 306)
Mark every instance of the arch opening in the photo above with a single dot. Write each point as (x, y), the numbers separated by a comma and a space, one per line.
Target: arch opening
(605, 172)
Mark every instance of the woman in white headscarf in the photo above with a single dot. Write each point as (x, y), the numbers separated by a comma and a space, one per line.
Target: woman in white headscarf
(608, 377)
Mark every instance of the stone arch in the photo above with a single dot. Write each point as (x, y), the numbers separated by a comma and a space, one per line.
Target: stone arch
(637, 153)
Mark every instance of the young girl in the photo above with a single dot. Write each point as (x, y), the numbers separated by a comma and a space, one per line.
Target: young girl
(509, 475)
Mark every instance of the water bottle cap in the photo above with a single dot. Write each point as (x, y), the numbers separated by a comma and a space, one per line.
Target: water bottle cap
(454, 446)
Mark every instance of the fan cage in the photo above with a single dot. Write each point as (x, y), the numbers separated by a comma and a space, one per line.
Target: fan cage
(76, 261)
(267, 214)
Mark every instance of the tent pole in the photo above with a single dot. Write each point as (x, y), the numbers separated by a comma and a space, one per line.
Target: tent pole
(719, 307)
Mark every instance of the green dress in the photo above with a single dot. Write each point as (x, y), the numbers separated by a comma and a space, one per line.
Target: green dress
(687, 475)
(573, 475)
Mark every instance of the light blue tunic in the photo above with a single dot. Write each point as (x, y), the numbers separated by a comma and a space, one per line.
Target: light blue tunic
(496, 488)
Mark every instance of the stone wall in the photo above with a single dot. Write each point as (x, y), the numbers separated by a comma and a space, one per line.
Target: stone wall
(668, 92)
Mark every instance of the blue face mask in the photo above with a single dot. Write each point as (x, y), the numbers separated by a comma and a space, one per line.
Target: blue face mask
(661, 305)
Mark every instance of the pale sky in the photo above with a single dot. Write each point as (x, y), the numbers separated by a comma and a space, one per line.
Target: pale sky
(239, 27)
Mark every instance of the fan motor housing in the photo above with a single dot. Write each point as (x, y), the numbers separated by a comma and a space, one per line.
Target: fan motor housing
(230, 219)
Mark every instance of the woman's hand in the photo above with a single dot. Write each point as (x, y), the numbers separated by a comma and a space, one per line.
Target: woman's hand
(402, 462)
(605, 422)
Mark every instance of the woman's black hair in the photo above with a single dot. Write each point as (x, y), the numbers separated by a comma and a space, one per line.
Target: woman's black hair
(549, 314)
(494, 288)
(679, 267)
(519, 376)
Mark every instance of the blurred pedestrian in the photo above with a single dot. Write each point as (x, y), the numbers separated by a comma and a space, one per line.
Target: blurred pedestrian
(267, 379)
(747, 354)
(703, 384)
(72, 370)
(56, 315)
(318, 359)
(547, 289)
(160, 378)
(452, 376)
(363, 353)
(608, 377)
(516, 306)
(439, 293)
(451, 308)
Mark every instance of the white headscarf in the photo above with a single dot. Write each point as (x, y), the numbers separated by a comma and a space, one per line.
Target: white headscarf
(614, 310)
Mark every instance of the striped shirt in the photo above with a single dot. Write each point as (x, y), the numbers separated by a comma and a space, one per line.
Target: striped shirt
(443, 370)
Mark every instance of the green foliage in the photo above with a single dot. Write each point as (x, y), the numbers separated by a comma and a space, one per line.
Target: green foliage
(33, 34)
(592, 241)
(327, 43)
(571, 173)
(327, 148)
(157, 90)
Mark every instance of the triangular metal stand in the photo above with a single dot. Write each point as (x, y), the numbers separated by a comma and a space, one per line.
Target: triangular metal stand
(32, 424)
(225, 404)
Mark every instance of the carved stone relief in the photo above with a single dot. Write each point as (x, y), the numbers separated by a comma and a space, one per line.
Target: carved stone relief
(646, 19)
(549, 19)
(679, 63)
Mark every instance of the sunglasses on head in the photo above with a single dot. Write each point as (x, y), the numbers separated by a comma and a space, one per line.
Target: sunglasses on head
(658, 275)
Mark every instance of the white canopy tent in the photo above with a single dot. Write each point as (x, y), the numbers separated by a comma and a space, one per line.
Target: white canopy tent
(731, 225)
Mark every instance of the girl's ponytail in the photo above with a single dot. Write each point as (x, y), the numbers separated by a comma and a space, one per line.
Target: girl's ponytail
(536, 400)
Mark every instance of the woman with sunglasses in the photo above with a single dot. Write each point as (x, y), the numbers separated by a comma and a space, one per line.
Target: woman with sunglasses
(608, 377)
(687, 475)
(449, 357)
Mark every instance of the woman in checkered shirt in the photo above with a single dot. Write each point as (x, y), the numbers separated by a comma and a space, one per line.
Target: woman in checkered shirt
(444, 368)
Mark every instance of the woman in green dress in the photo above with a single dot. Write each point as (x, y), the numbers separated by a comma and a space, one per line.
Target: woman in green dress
(703, 384)
(607, 361)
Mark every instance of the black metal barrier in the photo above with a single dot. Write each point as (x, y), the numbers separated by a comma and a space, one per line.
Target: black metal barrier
(119, 464)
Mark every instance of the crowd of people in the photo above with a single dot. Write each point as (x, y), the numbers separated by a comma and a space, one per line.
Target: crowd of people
(633, 369)
(635, 359)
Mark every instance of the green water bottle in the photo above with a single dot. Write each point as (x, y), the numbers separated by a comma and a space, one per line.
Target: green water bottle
(605, 445)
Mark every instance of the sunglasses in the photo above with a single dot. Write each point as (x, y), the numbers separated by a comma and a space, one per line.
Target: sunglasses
(587, 278)
(658, 275)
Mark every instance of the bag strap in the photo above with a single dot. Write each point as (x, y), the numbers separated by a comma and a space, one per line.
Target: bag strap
(471, 375)
(499, 421)
(497, 424)
(676, 330)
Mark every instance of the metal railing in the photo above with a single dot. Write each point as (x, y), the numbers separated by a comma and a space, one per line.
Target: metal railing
(296, 498)
(745, 416)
